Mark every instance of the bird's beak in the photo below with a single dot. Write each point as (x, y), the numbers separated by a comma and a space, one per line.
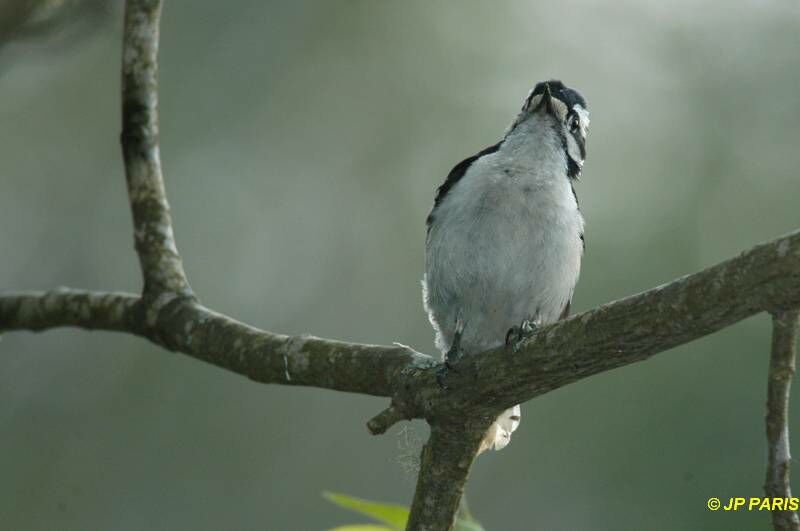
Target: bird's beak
(546, 103)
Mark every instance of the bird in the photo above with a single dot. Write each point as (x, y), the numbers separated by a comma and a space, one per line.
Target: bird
(505, 237)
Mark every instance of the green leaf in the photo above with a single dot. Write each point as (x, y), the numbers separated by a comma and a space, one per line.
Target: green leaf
(393, 515)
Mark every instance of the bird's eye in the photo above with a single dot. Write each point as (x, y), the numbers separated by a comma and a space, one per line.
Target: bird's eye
(573, 123)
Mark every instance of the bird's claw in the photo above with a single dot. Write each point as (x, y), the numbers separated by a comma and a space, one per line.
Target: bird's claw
(517, 335)
(451, 357)
(442, 372)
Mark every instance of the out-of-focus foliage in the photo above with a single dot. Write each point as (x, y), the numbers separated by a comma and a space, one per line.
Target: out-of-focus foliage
(393, 516)
(302, 144)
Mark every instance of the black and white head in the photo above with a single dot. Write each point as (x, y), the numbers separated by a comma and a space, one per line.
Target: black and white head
(565, 110)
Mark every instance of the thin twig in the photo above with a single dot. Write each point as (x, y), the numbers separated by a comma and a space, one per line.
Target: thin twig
(781, 370)
(92, 310)
(385, 419)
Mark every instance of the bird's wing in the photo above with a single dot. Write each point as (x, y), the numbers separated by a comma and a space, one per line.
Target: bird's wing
(454, 176)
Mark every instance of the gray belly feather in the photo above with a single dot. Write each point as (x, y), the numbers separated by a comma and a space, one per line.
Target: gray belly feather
(501, 249)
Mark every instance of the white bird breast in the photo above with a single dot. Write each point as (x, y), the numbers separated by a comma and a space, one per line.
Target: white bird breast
(504, 246)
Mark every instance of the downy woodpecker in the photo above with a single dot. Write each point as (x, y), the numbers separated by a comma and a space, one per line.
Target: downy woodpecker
(505, 236)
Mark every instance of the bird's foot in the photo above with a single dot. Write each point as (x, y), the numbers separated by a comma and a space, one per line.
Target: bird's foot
(517, 335)
(452, 356)
(443, 372)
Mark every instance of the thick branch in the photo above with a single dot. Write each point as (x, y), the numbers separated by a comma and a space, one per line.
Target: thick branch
(617, 334)
(765, 278)
(291, 360)
(152, 225)
(183, 325)
(444, 469)
(781, 370)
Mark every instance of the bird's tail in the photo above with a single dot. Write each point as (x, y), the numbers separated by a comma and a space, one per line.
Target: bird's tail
(499, 434)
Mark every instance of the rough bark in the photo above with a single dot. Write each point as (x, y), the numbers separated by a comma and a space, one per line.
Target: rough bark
(446, 462)
(184, 325)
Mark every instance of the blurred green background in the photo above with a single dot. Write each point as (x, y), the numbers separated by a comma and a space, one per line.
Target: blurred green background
(302, 143)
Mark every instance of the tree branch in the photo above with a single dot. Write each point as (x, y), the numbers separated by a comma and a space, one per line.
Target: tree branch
(633, 329)
(781, 370)
(444, 469)
(386, 419)
(39, 310)
(614, 335)
(630, 330)
(152, 225)
(765, 278)
(183, 325)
